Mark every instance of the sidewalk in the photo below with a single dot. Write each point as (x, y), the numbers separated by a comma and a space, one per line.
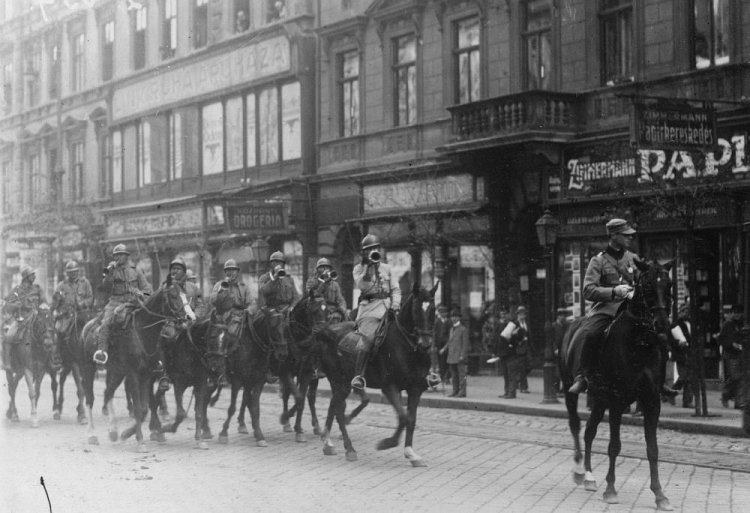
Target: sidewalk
(483, 391)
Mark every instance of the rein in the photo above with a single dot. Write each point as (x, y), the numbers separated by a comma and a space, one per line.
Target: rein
(411, 337)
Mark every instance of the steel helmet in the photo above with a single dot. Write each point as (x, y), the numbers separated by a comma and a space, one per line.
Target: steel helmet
(190, 275)
(178, 261)
(277, 256)
(231, 264)
(322, 262)
(120, 249)
(71, 266)
(26, 272)
(370, 241)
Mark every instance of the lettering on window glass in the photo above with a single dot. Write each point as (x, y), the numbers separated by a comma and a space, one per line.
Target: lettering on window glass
(213, 144)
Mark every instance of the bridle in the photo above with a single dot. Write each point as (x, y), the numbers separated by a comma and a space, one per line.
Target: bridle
(647, 288)
(413, 336)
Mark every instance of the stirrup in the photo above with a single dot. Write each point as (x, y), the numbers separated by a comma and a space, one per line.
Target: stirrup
(358, 382)
(433, 380)
(164, 383)
(101, 357)
(271, 378)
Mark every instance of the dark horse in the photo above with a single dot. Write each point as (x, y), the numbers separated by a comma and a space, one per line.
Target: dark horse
(31, 357)
(68, 327)
(195, 359)
(133, 357)
(401, 363)
(248, 359)
(628, 368)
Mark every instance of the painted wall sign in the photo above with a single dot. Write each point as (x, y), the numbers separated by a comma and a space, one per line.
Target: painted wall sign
(419, 194)
(245, 64)
(257, 217)
(124, 225)
(671, 126)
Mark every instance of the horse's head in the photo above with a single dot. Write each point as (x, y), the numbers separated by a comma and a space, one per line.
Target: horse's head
(309, 316)
(268, 325)
(652, 297)
(417, 314)
(215, 345)
(167, 301)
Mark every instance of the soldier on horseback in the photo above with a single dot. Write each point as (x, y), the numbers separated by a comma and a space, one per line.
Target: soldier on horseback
(192, 300)
(610, 277)
(277, 292)
(128, 284)
(231, 298)
(379, 293)
(22, 304)
(72, 296)
(324, 285)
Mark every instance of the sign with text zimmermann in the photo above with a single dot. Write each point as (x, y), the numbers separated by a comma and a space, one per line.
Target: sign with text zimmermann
(673, 126)
(257, 217)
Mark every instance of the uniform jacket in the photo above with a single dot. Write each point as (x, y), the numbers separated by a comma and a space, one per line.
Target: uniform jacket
(75, 295)
(275, 293)
(328, 290)
(193, 296)
(680, 329)
(605, 271)
(379, 291)
(24, 299)
(236, 297)
(729, 334)
(125, 279)
(458, 344)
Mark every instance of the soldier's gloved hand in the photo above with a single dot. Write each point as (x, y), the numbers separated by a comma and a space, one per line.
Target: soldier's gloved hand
(620, 291)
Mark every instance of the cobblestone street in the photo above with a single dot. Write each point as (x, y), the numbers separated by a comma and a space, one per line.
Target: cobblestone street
(477, 461)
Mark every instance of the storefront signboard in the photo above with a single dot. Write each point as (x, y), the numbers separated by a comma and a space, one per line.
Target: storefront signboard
(414, 194)
(673, 126)
(240, 66)
(257, 218)
(122, 226)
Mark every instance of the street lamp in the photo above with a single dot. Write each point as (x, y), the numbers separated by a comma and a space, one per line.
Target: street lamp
(259, 250)
(546, 230)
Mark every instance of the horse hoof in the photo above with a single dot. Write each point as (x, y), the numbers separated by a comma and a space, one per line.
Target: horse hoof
(223, 439)
(611, 498)
(35, 423)
(158, 437)
(261, 443)
(300, 437)
(329, 450)
(93, 440)
(141, 448)
(207, 435)
(418, 463)
(589, 486)
(14, 418)
(201, 445)
(83, 421)
(664, 505)
(386, 443)
(113, 436)
(317, 431)
(56, 415)
(243, 430)
(288, 428)
(577, 478)
(351, 455)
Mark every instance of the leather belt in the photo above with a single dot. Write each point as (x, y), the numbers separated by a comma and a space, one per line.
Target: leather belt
(379, 295)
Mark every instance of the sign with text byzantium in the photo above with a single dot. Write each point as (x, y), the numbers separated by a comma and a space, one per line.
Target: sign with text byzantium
(668, 126)
(257, 218)
(614, 168)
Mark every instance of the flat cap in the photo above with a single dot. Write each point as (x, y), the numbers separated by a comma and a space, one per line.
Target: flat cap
(615, 226)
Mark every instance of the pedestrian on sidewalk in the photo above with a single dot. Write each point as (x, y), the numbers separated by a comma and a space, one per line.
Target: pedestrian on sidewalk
(441, 330)
(457, 350)
(679, 341)
(515, 359)
(730, 340)
(523, 348)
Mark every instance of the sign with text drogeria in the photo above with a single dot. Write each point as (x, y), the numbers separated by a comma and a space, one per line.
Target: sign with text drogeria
(257, 217)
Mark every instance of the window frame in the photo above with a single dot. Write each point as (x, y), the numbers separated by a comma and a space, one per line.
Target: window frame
(32, 68)
(458, 51)
(77, 155)
(6, 170)
(344, 83)
(712, 39)
(36, 182)
(108, 49)
(200, 24)
(396, 68)
(538, 33)
(168, 47)
(77, 60)
(138, 30)
(613, 13)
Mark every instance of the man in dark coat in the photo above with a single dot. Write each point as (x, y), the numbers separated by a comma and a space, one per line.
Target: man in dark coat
(730, 340)
(680, 338)
(441, 331)
(457, 350)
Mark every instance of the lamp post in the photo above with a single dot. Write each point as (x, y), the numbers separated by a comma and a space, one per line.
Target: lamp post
(546, 230)
(259, 250)
(745, 386)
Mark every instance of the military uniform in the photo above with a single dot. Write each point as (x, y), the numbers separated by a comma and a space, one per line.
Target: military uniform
(330, 291)
(21, 304)
(231, 299)
(278, 293)
(73, 295)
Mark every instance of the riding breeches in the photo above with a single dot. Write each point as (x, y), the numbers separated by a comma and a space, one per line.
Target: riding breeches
(590, 333)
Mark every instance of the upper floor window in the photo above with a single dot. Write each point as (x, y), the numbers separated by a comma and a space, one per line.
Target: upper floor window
(6, 10)
(108, 49)
(275, 10)
(169, 29)
(117, 161)
(536, 35)
(5, 169)
(143, 140)
(174, 159)
(32, 67)
(6, 101)
(405, 80)
(616, 18)
(78, 43)
(213, 138)
(139, 23)
(53, 70)
(76, 170)
(105, 163)
(711, 32)
(38, 183)
(467, 54)
(241, 15)
(349, 93)
(200, 23)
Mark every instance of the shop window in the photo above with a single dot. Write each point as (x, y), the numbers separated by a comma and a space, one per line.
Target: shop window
(143, 135)
(156, 148)
(200, 23)
(212, 135)
(235, 135)
(174, 126)
(616, 22)
(191, 142)
(108, 49)
(168, 47)
(291, 137)
(241, 16)
(117, 161)
(7, 77)
(405, 80)
(268, 125)
(536, 36)
(5, 184)
(78, 45)
(53, 66)
(467, 59)
(275, 10)
(251, 132)
(711, 34)
(76, 171)
(348, 78)
(131, 167)
(138, 24)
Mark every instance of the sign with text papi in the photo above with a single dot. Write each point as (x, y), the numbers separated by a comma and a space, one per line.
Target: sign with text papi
(674, 126)
(257, 217)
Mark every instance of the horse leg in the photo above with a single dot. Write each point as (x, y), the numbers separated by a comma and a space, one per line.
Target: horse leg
(32, 385)
(113, 381)
(254, 407)
(312, 393)
(241, 426)
(206, 430)
(215, 396)
(200, 399)
(574, 424)
(57, 399)
(223, 437)
(299, 404)
(155, 427)
(413, 397)
(613, 451)
(76, 372)
(328, 448)
(595, 417)
(12, 379)
(287, 385)
(179, 390)
(651, 411)
(340, 410)
(394, 397)
(142, 399)
(364, 400)
(87, 384)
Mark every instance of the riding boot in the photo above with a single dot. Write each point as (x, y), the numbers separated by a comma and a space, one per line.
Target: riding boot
(666, 390)
(580, 384)
(102, 344)
(358, 382)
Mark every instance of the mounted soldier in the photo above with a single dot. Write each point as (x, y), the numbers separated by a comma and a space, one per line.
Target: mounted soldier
(324, 285)
(277, 292)
(22, 304)
(379, 293)
(231, 298)
(129, 285)
(194, 309)
(73, 297)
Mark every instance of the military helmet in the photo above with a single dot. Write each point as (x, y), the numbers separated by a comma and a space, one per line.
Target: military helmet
(277, 256)
(370, 241)
(322, 262)
(120, 249)
(231, 264)
(190, 275)
(27, 271)
(178, 261)
(71, 266)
